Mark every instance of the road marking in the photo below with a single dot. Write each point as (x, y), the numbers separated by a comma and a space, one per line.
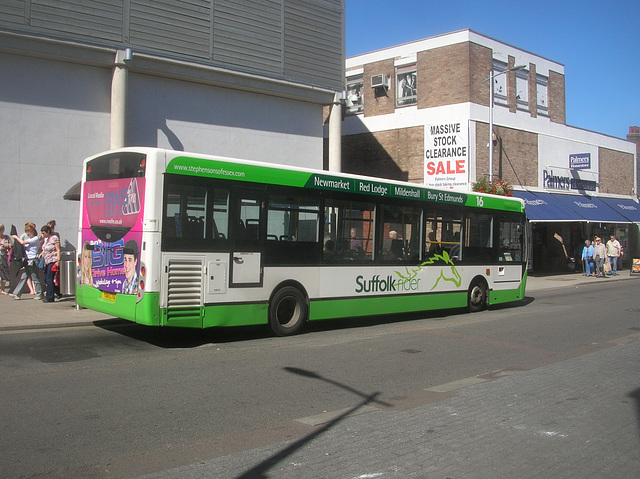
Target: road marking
(455, 385)
(329, 416)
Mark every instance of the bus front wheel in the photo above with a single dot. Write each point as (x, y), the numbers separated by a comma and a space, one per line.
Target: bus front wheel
(288, 311)
(477, 296)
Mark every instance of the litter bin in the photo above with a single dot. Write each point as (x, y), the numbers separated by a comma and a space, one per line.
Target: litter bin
(68, 272)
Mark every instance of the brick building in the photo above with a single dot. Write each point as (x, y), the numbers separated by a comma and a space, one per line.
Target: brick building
(421, 111)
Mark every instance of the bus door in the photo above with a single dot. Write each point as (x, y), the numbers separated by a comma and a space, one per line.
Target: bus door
(248, 215)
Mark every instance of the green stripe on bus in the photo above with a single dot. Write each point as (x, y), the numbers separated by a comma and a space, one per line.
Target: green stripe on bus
(183, 165)
(208, 168)
(231, 314)
(509, 295)
(125, 306)
(376, 305)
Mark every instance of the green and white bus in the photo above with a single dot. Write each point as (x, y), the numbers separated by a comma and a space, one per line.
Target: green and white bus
(177, 239)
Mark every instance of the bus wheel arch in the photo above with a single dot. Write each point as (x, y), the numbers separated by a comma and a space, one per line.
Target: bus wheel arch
(478, 294)
(288, 309)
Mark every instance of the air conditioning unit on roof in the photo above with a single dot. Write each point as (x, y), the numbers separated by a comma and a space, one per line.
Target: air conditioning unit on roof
(380, 81)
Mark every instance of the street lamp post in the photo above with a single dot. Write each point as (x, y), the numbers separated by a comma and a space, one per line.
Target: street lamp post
(491, 78)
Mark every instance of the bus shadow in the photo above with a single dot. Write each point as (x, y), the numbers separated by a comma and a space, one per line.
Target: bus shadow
(436, 315)
(185, 338)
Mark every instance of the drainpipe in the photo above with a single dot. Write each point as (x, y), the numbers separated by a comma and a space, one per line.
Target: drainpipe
(119, 87)
(335, 133)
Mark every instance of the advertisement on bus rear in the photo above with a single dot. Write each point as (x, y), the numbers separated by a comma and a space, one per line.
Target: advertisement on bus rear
(111, 234)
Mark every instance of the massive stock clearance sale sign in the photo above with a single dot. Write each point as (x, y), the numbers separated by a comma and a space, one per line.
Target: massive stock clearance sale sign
(446, 154)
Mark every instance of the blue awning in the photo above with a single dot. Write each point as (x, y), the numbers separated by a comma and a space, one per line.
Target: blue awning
(541, 206)
(627, 207)
(591, 208)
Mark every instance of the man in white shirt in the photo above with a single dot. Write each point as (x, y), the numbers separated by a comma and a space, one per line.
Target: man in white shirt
(613, 253)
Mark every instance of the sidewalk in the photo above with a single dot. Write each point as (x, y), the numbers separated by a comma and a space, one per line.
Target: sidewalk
(571, 280)
(571, 419)
(28, 313)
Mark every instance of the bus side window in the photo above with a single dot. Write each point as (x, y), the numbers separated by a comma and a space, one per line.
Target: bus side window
(293, 225)
(252, 229)
(220, 210)
(400, 229)
(443, 230)
(348, 232)
(510, 242)
(478, 247)
(185, 212)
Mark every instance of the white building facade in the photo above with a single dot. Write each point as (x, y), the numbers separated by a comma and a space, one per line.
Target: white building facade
(421, 112)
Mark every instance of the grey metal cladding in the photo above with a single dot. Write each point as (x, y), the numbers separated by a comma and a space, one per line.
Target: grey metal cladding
(99, 21)
(296, 40)
(313, 42)
(12, 12)
(248, 35)
(171, 26)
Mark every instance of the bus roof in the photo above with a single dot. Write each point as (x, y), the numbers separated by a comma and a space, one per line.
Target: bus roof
(211, 166)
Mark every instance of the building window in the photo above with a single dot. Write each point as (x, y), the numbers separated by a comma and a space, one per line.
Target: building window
(541, 95)
(499, 83)
(522, 89)
(354, 103)
(406, 86)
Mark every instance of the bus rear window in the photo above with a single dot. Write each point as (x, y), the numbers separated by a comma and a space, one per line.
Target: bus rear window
(117, 165)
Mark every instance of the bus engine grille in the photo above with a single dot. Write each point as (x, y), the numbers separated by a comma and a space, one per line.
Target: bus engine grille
(184, 288)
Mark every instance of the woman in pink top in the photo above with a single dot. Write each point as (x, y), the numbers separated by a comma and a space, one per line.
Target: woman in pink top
(51, 254)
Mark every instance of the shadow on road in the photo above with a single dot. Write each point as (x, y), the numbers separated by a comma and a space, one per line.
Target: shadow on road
(635, 395)
(172, 337)
(260, 470)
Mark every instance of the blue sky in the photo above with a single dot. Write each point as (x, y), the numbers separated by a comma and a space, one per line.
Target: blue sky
(597, 42)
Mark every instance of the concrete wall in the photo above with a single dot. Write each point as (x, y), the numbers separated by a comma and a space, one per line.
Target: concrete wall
(221, 121)
(54, 113)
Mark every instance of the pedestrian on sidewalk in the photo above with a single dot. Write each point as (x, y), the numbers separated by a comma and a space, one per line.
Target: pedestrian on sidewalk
(587, 258)
(5, 249)
(51, 254)
(599, 257)
(56, 278)
(613, 253)
(29, 269)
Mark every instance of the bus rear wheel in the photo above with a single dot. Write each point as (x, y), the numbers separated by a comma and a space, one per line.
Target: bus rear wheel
(288, 311)
(477, 296)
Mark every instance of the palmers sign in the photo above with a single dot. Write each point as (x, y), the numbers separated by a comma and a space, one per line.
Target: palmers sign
(557, 182)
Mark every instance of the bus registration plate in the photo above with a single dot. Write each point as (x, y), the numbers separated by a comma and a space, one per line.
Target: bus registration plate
(109, 296)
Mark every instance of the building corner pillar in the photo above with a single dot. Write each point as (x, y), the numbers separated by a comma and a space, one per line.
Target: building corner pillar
(335, 133)
(119, 90)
